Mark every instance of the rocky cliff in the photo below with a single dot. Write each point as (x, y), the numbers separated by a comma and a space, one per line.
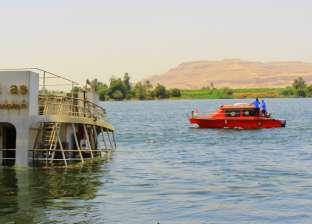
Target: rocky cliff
(233, 73)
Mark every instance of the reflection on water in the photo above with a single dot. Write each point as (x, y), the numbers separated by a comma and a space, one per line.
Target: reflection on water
(8, 191)
(27, 194)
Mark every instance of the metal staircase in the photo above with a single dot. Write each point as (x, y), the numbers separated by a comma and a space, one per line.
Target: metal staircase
(48, 135)
(50, 139)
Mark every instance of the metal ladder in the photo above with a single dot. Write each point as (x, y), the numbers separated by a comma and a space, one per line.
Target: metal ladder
(49, 139)
(48, 134)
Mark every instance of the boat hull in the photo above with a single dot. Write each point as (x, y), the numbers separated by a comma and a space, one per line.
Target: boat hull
(253, 123)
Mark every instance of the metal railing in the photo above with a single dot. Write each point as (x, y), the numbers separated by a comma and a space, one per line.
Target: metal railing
(94, 144)
(49, 81)
(238, 113)
(70, 106)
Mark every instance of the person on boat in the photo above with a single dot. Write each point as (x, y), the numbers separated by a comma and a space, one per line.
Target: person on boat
(256, 103)
(263, 108)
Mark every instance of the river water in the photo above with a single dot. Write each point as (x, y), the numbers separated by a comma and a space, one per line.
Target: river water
(168, 172)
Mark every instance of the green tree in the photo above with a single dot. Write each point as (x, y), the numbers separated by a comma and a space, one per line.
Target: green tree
(148, 84)
(161, 92)
(102, 90)
(288, 91)
(126, 81)
(175, 92)
(117, 85)
(144, 91)
(300, 87)
(118, 95)
(309, 90)
(301, 93)
(299, 84)
(226, 92)
(140, 91)
(150, 94)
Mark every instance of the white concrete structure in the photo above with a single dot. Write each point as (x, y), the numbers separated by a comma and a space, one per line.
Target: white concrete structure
(19, 109)
(46, 127)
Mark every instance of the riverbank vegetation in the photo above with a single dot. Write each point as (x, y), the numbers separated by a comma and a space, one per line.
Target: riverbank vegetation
(124, 89)
(299, 88)
(227, 93)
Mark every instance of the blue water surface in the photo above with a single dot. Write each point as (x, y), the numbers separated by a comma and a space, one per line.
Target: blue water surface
(166, 171)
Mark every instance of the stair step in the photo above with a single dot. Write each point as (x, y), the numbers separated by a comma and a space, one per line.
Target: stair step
(48, 137)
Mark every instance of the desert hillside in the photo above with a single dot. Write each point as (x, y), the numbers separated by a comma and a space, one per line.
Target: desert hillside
(233, 73)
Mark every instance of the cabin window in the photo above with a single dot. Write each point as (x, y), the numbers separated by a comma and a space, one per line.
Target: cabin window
(248, 113)
(232, 113)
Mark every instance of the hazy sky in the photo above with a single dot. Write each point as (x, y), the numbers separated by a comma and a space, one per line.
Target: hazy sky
(143, 37)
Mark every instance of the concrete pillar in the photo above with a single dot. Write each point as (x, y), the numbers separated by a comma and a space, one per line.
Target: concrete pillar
(22, 143)
(24, 117)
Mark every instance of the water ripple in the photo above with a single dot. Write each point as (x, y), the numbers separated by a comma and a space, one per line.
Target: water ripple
(168, 172)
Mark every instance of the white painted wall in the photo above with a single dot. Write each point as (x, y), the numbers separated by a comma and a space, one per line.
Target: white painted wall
(22, 119)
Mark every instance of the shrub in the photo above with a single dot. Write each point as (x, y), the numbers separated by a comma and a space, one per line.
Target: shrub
(117, 95)
(175, 92)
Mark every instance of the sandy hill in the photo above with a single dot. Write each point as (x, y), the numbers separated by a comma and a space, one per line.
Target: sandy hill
(233, 73)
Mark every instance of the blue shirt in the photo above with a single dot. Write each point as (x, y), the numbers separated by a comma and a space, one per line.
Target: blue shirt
(263, 105)
(256, 103)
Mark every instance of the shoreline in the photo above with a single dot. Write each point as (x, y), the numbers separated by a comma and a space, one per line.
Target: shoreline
(181, 98)
(242, 93)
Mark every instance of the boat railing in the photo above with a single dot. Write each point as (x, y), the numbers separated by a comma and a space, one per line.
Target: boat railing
(70, 106)
(224, 114)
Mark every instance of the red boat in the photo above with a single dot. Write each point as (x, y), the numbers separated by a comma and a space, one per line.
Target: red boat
(241, 116)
